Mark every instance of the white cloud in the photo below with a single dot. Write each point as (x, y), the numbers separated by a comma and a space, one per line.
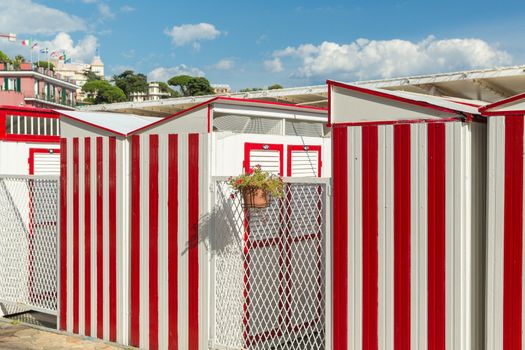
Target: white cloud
(224, 64)
(105, 11)
(27, 17)
(127, 8)
(192, 34)
(367, 59)
(274, 65)
(165, 73)
(82, 51)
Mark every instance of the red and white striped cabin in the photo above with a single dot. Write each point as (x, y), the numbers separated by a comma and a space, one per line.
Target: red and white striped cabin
(408, 221)
(505, 214)
(29, 141)
(134, 192)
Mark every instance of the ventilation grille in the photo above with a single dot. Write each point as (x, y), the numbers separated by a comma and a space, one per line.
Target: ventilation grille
(302, 128)
(248, 125)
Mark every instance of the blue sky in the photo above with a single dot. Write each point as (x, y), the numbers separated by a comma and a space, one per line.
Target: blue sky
(255, 44)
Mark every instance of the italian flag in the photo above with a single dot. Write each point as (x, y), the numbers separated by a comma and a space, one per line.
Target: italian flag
(27, 42)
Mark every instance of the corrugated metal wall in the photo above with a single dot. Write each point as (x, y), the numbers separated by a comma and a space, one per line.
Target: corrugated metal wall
(131, 253)
(408, 259)
(505, 233)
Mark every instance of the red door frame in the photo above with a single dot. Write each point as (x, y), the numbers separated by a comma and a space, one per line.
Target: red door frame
(291, 148)
(248, 147)
(31, 159)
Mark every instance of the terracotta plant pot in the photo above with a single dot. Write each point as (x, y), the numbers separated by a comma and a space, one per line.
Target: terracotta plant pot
(255, 198)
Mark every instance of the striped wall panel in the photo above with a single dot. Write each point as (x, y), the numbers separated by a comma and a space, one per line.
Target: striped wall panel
(505, 325)
(91, 226)
(407, 264)
(131, 253)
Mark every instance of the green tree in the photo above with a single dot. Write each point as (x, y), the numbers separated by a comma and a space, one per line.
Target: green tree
(275, 87)
(180, 81)
(165, 88)
(3, 58)
(191, 86)
(19, 59)
(46, 64)
(130, 82)
(90, 75)
(101, 91)
(250, 89)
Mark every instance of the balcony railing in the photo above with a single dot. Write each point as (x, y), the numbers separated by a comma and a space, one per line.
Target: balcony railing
(55, 99)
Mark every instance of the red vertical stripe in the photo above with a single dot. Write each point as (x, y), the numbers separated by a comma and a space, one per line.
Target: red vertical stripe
(513, 233)
(370, 236)
(193, 256)
(153, 241)
(63, 234)
(340, 237)
(402, 237)
(173, 247)
(135, 242)
(87, 233)
(100, 238)
(112, 239)
(436, 236)
(76, 256)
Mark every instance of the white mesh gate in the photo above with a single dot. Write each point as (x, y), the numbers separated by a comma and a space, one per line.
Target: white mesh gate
(28, 243)
(268, 268)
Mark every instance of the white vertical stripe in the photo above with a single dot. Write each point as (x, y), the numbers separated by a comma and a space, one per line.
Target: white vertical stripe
(182, 292)
(355, 238)
(454, 287)
(144, 241)
(105, 235)
(81, 243)
(122, 242)
(69, 235)
(385, 237)
(419, 236)
(93, 145)
(464, 249)
(163, 306)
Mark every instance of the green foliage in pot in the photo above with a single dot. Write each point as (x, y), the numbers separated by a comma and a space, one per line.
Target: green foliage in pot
(255, 179)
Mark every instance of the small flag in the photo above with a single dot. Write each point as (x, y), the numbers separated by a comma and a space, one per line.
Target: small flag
(27, 42)
(55, 53)
(46, 50)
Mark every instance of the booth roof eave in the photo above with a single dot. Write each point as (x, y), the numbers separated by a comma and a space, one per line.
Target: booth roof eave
(115, 123)
(461, 109)
(233, 101)
(488, 110)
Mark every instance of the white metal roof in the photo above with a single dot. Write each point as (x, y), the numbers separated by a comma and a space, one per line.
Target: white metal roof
(118, 123)
(455, 105)
(488, 85)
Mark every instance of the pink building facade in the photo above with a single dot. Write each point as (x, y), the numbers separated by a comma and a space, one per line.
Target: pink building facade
(38, 87)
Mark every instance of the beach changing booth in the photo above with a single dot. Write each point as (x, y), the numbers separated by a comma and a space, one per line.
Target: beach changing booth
(149, 226)
(409, 220)
(505, 223)
(29, 169)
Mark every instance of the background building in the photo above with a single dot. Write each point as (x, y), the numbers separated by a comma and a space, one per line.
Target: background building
(221, 88)
(76, 71)
(36, 87)
(154, 93)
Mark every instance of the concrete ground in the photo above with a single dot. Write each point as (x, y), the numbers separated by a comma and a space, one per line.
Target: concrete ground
(21, 336)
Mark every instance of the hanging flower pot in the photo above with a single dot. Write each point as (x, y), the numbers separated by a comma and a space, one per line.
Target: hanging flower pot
(256, 186)
(255, 198)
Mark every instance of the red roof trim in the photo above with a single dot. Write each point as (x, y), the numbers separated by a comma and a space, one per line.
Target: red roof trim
(392, 97)
(94, 125)
(224, 98)
(485, 108)
(33, 110)
(396, 122)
